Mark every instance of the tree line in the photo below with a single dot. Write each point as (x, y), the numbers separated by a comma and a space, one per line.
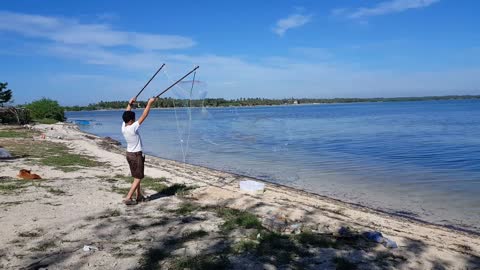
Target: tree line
(221, 102)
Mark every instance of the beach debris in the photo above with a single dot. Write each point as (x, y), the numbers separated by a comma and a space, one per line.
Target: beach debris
(90, 137)
(294, 228)
(111, 141)
(26, 174)
(87, 248)
(4, 153)
(345, 232)
(276, 223)
(379, 238)
(374, 236)
(389, 243)
(252, 186)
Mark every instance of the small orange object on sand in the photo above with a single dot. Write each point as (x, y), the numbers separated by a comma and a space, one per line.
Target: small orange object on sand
(26, 174)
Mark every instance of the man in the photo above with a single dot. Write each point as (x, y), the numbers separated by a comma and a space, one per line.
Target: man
(135, 155)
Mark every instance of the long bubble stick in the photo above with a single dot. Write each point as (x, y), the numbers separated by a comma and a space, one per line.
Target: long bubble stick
(145, 86)
(175, 83)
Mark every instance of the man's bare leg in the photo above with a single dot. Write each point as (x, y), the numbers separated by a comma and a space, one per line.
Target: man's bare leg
(139, 192)
(133, 188)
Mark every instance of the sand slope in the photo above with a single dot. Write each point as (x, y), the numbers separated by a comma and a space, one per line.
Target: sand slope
(40, 227)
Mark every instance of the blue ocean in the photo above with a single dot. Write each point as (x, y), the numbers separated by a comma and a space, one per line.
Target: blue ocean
(416, 159)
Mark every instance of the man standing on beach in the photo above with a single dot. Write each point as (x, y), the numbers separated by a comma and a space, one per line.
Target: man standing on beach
(135, 155)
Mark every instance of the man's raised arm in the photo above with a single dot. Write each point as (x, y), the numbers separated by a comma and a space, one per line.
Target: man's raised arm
(130, 104)
(147, 110)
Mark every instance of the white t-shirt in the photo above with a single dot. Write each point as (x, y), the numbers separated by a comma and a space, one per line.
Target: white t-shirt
(134, 142)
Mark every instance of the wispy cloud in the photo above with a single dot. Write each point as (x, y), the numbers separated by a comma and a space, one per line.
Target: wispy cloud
(293, 21)
(383, 8)
(68, 31)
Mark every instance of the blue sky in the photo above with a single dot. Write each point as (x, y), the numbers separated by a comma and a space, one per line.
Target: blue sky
(84, 51)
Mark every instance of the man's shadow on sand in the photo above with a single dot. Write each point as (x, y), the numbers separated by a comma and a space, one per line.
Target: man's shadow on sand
(170, 191)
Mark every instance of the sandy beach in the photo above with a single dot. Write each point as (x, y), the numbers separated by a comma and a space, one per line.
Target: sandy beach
(198, 218)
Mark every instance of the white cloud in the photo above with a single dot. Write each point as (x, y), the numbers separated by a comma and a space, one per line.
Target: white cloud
(284, 77)
(292, 21)
(383, 8)
(69, 31)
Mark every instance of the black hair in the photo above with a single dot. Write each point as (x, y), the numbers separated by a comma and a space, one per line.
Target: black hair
(128, 115)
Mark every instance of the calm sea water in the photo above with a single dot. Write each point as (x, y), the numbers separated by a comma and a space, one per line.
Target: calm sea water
(420, 159)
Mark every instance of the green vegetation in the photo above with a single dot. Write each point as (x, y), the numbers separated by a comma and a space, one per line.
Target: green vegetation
(237, 219)
(52, 154)
(245, 246)
(220, 102)
(120, 190)
(18, 133)
(47, 121)
(56, 191)
(186, 208)
(5, 94)
(44, 109)
(12, 185)
(65, 161)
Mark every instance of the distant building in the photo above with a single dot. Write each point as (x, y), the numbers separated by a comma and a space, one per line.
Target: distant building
(295, 102)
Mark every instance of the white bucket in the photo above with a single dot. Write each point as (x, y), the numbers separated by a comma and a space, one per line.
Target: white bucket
(252, 186)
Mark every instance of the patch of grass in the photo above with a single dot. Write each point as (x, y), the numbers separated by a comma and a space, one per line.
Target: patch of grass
(10, 186)
(110, 213)
(279, 248)
(315, 240)
(120, 190)
(186, 208)
(152, 258)
(48, 153)
(344, 264)
(154, 183)
(18, 133)
(243, 246)
(56, 191)
(44, 246)
(65, 161)
(200, 262)
(30, 234)
(238, 219)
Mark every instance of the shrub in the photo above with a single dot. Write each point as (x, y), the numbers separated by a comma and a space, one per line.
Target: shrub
(12, 115)
(46, 109)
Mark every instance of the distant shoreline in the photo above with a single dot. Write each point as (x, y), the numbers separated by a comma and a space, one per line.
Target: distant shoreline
(222, 103)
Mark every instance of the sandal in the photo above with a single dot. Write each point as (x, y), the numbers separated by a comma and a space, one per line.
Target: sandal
(130, 202)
